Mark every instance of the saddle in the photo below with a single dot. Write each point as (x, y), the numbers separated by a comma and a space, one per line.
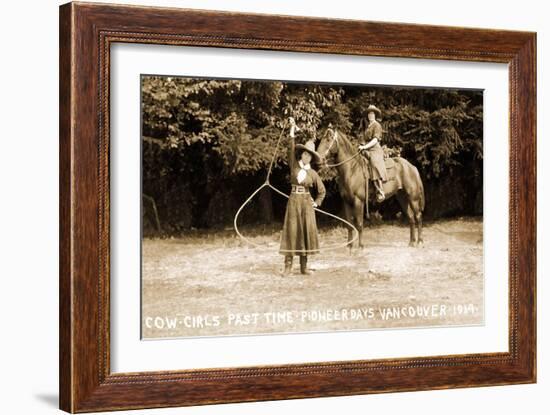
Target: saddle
(390, 167)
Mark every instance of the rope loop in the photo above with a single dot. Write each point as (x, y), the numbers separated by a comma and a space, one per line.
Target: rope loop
(268, 184)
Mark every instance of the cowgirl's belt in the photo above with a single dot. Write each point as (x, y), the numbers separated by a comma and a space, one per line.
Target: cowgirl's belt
(299, 189)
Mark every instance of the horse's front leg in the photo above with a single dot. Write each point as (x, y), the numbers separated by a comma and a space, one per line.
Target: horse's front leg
(349, 217)
(358, 208)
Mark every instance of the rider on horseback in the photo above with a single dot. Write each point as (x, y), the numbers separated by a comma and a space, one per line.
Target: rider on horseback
(374, 152)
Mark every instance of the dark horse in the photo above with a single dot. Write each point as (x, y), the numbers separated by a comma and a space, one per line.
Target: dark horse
(353, 184)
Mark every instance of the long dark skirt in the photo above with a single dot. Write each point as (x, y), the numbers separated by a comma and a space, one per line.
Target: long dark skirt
(299, 236)
(377, 163)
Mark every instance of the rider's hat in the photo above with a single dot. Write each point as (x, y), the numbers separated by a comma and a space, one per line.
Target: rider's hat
(372, 108)
(309, 146)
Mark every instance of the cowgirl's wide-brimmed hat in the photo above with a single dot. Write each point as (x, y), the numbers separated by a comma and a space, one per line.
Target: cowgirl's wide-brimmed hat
(373, 108)
(309, 146)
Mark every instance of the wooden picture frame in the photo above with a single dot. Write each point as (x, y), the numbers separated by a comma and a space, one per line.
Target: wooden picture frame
(86, 33)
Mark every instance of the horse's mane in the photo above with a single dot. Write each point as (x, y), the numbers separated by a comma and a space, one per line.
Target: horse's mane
(350, 148)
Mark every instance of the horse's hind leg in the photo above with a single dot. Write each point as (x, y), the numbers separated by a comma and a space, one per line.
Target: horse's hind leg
(418, 219)
(407, 209)
(412, 225)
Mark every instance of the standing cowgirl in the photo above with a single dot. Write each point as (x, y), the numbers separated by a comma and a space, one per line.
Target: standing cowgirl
(299, 236)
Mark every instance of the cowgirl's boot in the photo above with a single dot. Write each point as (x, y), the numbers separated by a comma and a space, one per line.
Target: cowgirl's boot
(303, 265)
(288, 265)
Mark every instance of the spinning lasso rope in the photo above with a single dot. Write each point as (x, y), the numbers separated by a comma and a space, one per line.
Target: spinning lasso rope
(268, 184)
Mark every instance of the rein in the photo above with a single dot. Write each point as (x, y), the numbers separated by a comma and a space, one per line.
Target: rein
(343, 162)
(335, 140)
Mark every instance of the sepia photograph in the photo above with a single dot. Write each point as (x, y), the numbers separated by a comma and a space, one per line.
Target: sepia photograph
(271, 207)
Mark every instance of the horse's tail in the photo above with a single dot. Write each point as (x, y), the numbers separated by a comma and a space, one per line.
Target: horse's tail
(421, 189)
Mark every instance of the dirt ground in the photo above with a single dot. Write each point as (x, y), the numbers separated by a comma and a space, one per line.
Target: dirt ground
(207, 284)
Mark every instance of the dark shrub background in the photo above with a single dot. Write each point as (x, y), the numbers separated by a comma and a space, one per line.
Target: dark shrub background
(207, 144)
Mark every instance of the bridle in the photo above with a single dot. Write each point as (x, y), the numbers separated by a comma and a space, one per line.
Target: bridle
(335, 141)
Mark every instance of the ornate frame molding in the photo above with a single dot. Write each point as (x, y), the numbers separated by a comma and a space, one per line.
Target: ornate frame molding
(86, 34)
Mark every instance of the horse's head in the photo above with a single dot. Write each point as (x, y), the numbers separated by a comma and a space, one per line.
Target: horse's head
(328, 147)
